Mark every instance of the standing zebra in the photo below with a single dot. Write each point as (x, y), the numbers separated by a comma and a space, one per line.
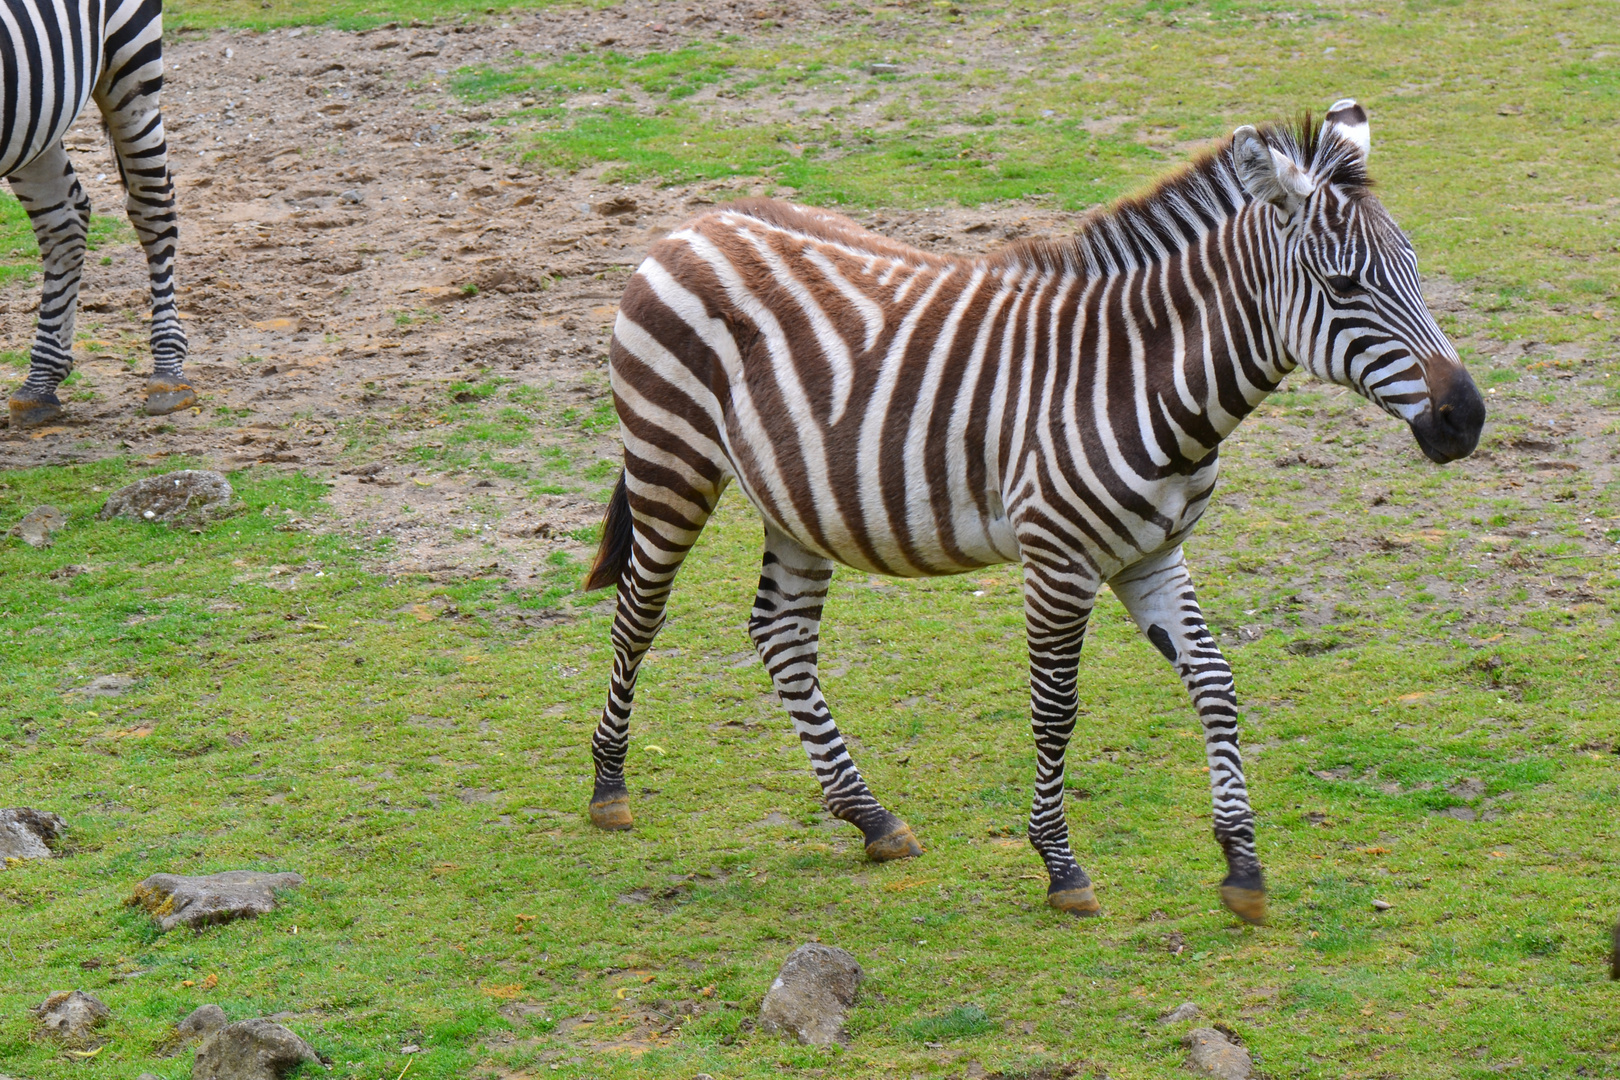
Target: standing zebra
(1058, 404)
(54, 55)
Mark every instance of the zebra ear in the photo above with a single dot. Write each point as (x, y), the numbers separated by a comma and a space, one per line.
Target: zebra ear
(1267, 173)
(1348, 120)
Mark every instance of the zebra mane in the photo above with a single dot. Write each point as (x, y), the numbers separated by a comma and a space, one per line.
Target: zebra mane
(1143, 229)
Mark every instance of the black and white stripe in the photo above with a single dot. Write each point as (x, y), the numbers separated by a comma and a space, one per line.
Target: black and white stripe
(1057, 404)
(54, 57)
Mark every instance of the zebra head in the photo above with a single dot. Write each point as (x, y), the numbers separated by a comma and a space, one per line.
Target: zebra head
(1348, 304)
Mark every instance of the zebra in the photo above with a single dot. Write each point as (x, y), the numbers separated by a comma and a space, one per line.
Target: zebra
(1058, 404)
(55, 55)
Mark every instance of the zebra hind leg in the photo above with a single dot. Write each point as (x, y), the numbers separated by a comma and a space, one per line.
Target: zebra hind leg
(59, 211)
(1057, 607)
(645, 538)
(786, 628)
(1160, 597)
(128, 98)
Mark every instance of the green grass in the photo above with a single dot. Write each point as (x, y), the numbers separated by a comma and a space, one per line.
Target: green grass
(421, 755)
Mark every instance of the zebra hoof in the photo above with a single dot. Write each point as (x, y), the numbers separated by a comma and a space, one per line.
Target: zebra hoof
(164, 396)
(899, 844)
(27, 412)
(1247, 904)
(1081, 902)
(612, 814)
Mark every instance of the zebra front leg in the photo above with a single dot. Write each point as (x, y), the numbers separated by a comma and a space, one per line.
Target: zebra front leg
(1057, 607)
(128, 98)
(786, 628)
(59, 211)
(1159, 594)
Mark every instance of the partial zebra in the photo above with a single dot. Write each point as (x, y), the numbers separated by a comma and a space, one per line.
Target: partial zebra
(54, 56)
(1058, 404)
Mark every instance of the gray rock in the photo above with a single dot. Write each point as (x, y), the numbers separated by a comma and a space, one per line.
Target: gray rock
(70, 1017)
(105, 686)
(149, 1076)
(190, 495)
(812, 995)
(28, 834)
(174, 900)
(205, 1020)
(1210, 1054)
(256, 1049)
(353, 196)
(36, 527)
(1185, 1011)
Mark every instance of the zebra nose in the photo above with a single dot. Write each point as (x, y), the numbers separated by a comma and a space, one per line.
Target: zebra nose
(1460, 411)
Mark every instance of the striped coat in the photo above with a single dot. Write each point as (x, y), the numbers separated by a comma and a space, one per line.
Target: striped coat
(1058, 404)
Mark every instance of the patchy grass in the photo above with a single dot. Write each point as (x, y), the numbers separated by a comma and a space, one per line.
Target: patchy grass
(1426, 656)
(423, 758)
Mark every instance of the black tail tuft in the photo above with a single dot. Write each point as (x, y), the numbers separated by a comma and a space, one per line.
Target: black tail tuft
(614, 554)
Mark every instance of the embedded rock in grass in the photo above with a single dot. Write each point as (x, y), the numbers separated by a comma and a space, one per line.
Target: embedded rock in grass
(105, 686)
(812, 995)
(204, 1021)
(28, 834)
(1210, 1054)
(190, 495)
(36, 527)
(1185, 1011)
(174, 900)
(71, 1017)
(256, 1049)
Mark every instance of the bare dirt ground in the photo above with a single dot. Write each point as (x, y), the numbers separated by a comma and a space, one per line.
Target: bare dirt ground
(356, 240)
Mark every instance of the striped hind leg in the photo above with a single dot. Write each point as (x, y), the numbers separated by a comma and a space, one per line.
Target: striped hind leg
(59, 211)
(1159, 594)
(662, 524)
(1057, 606)
(786, 628)
(128, 98)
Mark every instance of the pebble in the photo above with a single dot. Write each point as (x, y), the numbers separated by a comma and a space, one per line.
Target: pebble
(1382, 905)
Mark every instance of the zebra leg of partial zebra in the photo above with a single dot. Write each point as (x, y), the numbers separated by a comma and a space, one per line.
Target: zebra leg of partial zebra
(1159, 594)
(59, 211)
(786, 628)
(1057, 607)
(648, 535)
(128, 98)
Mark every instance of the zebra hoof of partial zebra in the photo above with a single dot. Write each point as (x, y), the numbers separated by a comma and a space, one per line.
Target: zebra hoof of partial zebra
(164, 396)
(899, 844)
(612, 814)
(28, 410)
(1247, 904)
(1081, 901)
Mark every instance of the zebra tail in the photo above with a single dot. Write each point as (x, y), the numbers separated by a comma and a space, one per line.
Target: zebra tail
(614, 553)
(106, 129)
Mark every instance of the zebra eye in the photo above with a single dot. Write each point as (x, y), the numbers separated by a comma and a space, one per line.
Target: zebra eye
(1344, 284)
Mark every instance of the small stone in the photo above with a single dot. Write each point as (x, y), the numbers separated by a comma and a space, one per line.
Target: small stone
(28, 834)
(411, 1049)
(256, 1049)
(1185, 1011)
(1210, 1054)
(37, 525)
(105, 686)
(190, 495)
(174, 900)
(619, 204)
(71, 1017)
(352, 196)
(812, 995)
(69, 572)
(883, 69)
(1382, 905)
